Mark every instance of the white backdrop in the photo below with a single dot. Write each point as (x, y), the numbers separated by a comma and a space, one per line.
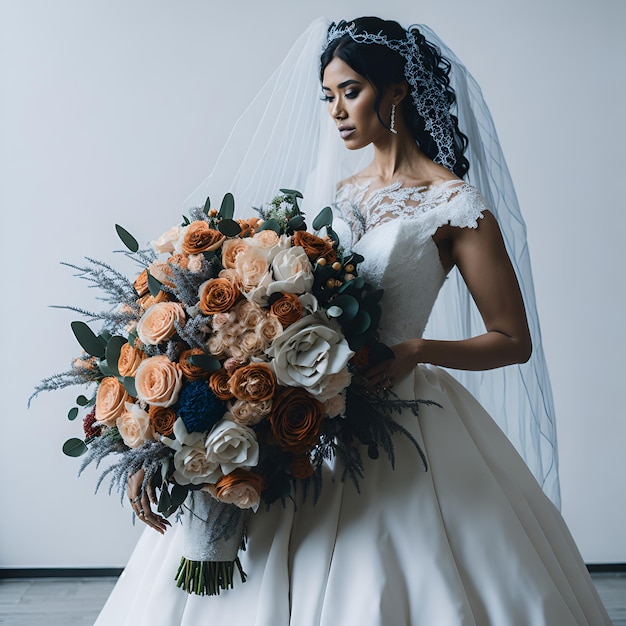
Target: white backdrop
(113, 110)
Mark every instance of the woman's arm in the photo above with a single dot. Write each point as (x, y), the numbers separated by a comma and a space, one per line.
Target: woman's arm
(481, 257)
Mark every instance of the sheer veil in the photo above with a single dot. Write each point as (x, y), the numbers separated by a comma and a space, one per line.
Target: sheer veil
(285, 138)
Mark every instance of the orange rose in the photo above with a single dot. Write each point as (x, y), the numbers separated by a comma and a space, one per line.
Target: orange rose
(200, 238)
(145, 302)
(141, 283)
(217, 296)
(110, 400)
(162, 419)
(301, 466)
(181, 260)
(158, 323)
(129, 360)
(219, 382)
(315, 247)
(158, 381)
(288, 309)
(255, 382)
(241, 488)
(189, 370)
(296, 419)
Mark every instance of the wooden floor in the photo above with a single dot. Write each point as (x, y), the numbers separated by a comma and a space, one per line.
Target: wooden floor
(74, 601)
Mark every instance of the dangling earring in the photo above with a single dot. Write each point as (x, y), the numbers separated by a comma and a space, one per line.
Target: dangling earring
(392, 125)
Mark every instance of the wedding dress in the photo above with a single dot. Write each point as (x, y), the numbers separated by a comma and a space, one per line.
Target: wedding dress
(471, 541)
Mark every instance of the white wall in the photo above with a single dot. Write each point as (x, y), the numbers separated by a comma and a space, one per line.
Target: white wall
(112, 111)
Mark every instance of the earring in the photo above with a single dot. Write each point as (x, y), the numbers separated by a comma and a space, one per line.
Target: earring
(392, 125)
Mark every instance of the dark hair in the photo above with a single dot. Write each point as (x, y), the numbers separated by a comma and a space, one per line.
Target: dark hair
(384, 67)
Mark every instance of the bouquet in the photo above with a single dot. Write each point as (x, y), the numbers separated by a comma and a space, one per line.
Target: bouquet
(228, 369)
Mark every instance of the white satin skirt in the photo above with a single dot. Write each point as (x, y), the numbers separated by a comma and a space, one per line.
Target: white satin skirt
(472, 541)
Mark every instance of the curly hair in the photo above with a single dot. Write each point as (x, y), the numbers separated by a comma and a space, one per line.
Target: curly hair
(384, 67)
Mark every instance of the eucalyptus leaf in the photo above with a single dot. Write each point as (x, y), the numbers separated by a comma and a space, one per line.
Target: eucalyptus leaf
(165, 502)
(333, 236)
(296, 223)
(90, 342)
(209, 255)
(129, 385)
(206, 362)
(127, 239)
(186, 221)
(178, 495)
(360, 324)
(74, 447)
(154, 285)
(291, 192)
(207, 206)
(349, 305)
(82, 400)
(270, 224)
(229, 227)
(323, 218)
(114, 347)
(72, 413)
(227, 210)
(105, 369)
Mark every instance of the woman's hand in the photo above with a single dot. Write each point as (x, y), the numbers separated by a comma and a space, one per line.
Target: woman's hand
(141, 500)
(385, 374)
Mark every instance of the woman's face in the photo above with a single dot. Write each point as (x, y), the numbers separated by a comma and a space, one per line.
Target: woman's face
(351, 100)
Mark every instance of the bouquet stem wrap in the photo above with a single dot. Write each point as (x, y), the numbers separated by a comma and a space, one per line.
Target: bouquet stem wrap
(213, 534)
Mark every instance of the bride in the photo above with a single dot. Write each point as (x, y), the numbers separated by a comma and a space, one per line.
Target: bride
(474, 540)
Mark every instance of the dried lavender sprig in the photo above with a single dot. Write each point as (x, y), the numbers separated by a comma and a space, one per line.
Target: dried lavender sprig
(66, 379)
(195, 331)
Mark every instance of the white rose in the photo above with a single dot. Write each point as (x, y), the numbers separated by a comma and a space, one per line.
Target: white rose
(309, 303)
(259, 294)
(134, 425)
(269, 242)
(292, 272)
(167, 241)
(190, 459)
(308, 352)
(232, 445)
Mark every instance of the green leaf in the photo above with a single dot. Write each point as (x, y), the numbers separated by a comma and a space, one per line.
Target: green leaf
(206, 362)
(82, 401)
(179, 495)
(360, 323)
(349, 305)
(227, 210)
(333, 236)
(209, 255)
(207, 206)
(323, 218)
(229, 227)
(90, 342)
(129, 385)
(186, 221)
(72, 414)
(270, 224)
(105, 369)
(291, 192)
(297, 223)
(154, 285)
(74, 447)
(112, 353)
(127, 239)
(165, 502)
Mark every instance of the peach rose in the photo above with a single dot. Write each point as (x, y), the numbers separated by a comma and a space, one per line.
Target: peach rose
(270, 329)
(314, 246)
(195, 263)
(158, 323)
(288, 309)
(189, 370)
(110, 400)
(219, 382)
(168, 241)
(129, 360)
(245, 413)
(158, 381)
(217, 346)
(250, 314)
(162, 419)
(232, 363)
(145, 302)
(255, 382)
(296, 419)
(241, 488)
(265, 239)
(141, 283)
(252, 343)
(180, 260)
(161, 270)
(199, 237)
(251, 265)
(232, 276)
(231, 249)
(217, 296)
(134, 425)
(222, 320)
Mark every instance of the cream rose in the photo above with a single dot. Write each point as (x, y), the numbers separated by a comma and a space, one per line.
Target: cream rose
(169, 241)
(246, 413)
(308, 352)
(252, 343)
(158, 381)
(249, 314)
(158, 323)
(231, 249)
(292, 272)
(110, 400)
(251, 266)
(134, 425)
(334, 384)
(195, 263)
(232, 445)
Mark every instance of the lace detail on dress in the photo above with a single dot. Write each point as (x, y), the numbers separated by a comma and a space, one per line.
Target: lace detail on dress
(363, 209)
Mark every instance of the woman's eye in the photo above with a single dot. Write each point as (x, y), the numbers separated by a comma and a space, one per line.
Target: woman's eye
(325, 98)
(352, 94)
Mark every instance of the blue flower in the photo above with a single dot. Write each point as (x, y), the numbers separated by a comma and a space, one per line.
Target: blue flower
(198, 407)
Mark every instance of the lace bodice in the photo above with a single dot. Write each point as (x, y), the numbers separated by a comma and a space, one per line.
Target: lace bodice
(392, 228)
